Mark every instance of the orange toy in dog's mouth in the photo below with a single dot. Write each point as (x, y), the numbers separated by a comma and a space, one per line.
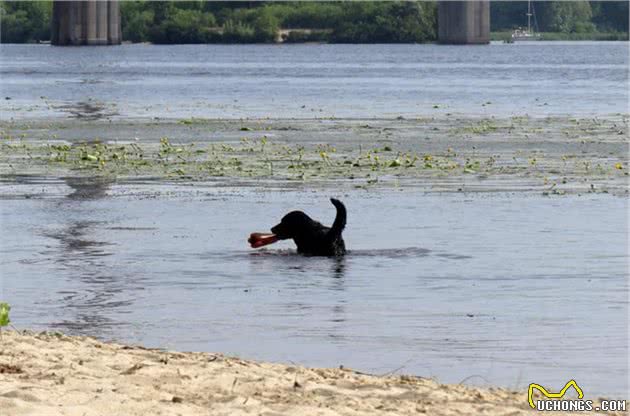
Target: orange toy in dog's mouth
(257, 240)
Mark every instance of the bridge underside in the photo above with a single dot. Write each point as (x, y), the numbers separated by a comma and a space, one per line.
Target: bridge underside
(88, 22)
(464, 22)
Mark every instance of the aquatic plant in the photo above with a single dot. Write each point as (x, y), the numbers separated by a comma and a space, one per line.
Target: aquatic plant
(263, 156)
(482, 127)
(4, 315)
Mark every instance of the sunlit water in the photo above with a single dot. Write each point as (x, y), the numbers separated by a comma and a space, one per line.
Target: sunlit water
(233, 81)
(510, 288)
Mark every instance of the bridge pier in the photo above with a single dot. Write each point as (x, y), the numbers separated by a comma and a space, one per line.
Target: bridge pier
(86, 22)
(464, 22)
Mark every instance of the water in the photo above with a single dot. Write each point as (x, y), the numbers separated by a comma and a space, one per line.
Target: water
(512, 289)
(234, 81)
(495, 288)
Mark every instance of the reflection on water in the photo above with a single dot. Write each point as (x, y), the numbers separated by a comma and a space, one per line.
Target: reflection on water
(87, 110)
(80, 256)
(459, 293)
(75, 243)
(339, 267)
(392, 253)
(88, 187)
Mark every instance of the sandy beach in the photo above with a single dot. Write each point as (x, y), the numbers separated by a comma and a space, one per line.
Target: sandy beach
(53, 374)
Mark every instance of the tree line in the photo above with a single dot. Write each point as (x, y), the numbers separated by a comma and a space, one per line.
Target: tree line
(170, 22)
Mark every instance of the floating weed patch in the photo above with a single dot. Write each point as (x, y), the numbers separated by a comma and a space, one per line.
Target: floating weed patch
(224, 159)
(409, 150)
(193, 121)
(262, 157)
(482, 127)
(472, 166)
(246, 158)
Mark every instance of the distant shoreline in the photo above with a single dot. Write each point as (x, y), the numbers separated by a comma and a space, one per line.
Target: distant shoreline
(559, 36)
(494, 36)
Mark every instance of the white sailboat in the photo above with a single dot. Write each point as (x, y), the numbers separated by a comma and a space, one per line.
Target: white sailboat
(528, 34)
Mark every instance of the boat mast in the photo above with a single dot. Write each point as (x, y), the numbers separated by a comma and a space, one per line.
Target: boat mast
(529, 16)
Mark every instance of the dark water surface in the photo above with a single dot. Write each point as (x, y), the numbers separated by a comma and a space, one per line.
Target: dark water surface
(511, 288)
(233, 81)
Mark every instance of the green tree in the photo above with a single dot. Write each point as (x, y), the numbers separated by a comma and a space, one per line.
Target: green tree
(610, 15)
(387, 22)
(566, 17)
(183, 26)
(266, 26)
(136, 20)
(508, 15)
(234, 31)
(314, 15)
(25, 21)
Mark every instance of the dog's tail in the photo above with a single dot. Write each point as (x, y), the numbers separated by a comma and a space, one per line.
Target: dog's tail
(340, 219)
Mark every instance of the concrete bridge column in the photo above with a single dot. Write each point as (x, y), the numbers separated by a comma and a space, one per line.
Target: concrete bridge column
(86, 22)
(464, 22)
(114, 33)
(89, 23)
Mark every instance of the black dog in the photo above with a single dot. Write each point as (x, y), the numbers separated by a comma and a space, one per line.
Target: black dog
(311, 237)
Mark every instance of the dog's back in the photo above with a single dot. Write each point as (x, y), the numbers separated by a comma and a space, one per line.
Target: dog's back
(311, 237)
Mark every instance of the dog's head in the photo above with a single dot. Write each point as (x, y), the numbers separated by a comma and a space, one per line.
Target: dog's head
(291, 225)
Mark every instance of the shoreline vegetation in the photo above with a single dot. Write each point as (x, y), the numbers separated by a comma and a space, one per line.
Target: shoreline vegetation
(54, 374)
(199, 22)
(320, 36)
(560, 36)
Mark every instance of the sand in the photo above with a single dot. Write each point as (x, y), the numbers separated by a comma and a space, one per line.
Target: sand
(53, 374)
